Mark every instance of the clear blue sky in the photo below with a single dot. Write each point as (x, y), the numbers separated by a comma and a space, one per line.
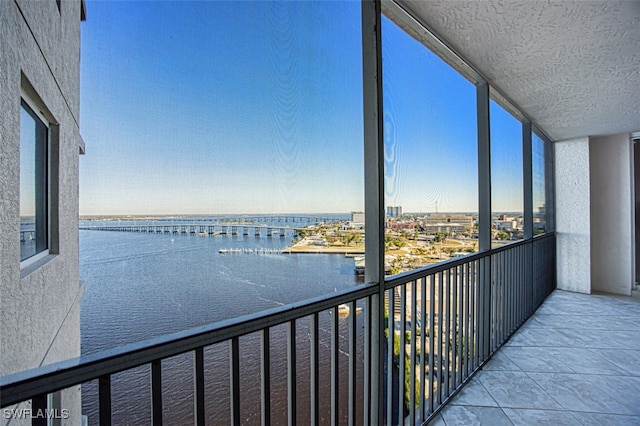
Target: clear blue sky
(256, 107)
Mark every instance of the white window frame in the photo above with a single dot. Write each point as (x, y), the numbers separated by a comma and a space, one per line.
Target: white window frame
(37, 111)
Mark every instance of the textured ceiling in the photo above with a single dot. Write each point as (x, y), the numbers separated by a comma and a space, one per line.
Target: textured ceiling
(573, 67)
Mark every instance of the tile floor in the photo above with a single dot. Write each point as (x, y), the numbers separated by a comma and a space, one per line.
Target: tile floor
(576, 361)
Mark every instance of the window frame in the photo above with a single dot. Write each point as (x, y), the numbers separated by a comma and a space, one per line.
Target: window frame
(42, 182)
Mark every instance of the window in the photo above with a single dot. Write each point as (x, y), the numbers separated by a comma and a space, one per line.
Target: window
(430, 153)
(34, 226)
(539, 203)
(507, 201)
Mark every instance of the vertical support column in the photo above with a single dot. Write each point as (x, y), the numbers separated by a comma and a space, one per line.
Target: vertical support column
(484, 216)
(527, 179)
(550, 185)
(484, 167)
(550, 201)
(374, 193)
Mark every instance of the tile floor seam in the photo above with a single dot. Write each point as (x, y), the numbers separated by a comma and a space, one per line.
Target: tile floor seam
(544, 390)
(479, 407)
(526, 408)
(595, 385)
(613, 396)
(488, 393)
(573, 368)
(510, 359)
(507, 416)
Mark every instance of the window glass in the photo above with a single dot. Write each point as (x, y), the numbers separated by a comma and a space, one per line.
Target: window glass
(507, 202)
(539, 201)
(33, 184)
(430, 154)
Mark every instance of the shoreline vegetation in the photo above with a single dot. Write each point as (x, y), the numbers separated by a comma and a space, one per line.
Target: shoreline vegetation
(318, 245)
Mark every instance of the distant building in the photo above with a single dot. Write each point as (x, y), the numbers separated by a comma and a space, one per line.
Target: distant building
(394, 211)
(506, 225)
(449, 223)
(356, 222)
(357, 217)
(404, 224)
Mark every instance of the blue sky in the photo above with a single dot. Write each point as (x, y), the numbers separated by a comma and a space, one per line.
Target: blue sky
(256, 107)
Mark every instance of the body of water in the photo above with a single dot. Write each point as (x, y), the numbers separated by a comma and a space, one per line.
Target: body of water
(141, 285)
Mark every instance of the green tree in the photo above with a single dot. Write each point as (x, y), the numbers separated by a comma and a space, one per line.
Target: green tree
(502, 235)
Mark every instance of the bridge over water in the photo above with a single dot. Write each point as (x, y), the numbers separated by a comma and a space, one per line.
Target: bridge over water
(308, 219)
(199, 229)
(227, 225)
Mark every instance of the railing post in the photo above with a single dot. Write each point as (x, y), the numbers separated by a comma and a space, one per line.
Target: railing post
(234, 379)
(39, 404)
(156, 392)
(265, 377)
(198, 387)
(104, 395)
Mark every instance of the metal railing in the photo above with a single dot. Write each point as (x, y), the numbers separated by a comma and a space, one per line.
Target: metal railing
(453, 316)
(442, 323)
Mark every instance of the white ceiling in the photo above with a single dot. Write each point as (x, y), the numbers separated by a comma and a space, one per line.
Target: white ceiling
(573, 67)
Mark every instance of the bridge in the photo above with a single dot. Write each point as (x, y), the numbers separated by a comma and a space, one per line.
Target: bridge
(264, 219)
(223, 225)
(199, 229)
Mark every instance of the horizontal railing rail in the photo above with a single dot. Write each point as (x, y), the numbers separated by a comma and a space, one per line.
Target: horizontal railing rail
(443, 322)
(20, 386)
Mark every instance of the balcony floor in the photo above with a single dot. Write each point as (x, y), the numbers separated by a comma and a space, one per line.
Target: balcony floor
(576, 361)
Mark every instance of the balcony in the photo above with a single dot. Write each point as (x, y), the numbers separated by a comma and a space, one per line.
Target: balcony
(574, 362)
(447, 320)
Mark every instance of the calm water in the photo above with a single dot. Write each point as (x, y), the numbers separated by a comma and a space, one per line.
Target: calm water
(142, 285)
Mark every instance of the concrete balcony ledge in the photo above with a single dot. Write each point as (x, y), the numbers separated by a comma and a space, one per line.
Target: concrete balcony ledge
(576, 361)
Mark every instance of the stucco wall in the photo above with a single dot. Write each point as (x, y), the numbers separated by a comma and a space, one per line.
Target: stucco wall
(611, 214)
(572, 198)
(40, 315)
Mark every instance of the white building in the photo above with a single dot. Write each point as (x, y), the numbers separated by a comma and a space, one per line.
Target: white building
(357, 217)
(441, 222)
(506, 225)
(39, 146)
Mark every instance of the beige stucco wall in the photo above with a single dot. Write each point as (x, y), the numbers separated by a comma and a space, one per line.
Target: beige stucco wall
(594, 216)
(40, 315)
(572, 208)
